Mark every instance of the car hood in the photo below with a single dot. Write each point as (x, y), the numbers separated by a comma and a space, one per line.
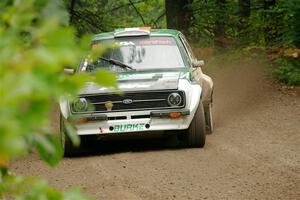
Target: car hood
(139, 81)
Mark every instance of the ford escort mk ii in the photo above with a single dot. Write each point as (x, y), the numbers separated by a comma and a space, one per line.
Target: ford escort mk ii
(162, 89)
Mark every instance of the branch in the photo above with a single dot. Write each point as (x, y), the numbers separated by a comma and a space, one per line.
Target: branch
(136, 10)
(154, 23)
(125, 5)
(160, 16)
(89, 21)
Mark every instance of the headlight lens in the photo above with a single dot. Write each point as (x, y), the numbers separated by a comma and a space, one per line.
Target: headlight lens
(80, 105)
(174, 99)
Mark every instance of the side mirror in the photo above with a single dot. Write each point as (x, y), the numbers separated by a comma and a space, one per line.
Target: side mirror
(198, 63)
(69, 71)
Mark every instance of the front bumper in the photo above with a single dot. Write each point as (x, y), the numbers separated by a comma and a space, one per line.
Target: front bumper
(137, 122)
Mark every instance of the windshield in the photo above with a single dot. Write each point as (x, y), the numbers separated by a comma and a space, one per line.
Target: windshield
(140, 53)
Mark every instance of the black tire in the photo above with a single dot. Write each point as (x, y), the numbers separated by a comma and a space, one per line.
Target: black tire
(66, 143)
(196, 133)
(209, 119)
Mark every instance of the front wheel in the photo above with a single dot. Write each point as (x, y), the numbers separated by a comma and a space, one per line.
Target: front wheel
(196, 134)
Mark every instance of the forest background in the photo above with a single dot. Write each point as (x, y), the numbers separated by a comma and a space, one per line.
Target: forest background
(38, 38)
(273, 25)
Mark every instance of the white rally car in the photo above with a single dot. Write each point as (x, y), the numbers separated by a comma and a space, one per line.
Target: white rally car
(163, 90)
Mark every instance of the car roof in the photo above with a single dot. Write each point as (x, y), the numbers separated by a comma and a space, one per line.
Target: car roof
(153, 32)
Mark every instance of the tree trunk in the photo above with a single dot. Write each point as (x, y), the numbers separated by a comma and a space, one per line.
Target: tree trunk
(269, 3)
(219, 29)
(244, 8)
(178, 15)
(244, 14)
(71, 10)
(297, 28)
(271, 29)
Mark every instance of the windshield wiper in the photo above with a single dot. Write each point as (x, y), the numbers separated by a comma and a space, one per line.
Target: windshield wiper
(118, 63)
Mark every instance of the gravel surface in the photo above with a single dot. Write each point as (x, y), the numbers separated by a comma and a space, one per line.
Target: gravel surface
(254, 152)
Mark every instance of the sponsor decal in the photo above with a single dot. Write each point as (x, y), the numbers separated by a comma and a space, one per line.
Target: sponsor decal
(166, 41)
(185, 74)
(128, 127)
(138, 76)
(126, 43)
(151, 41)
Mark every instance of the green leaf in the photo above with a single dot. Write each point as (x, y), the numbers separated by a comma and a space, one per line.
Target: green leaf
(74, 194)
(56, 8)
(106, 78)
(71, 133)
(49, 148)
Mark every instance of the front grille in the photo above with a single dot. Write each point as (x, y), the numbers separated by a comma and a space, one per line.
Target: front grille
(151, 100)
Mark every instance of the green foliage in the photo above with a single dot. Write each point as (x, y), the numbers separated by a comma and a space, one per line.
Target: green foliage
(33, 54)
(290, 26)
(267, 25)
(48, 148)
(204, 17)
(31, 188)
(288, 71)
(94, 16)
(35, 47)
(71, 133)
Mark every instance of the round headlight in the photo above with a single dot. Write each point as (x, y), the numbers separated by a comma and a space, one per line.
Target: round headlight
(174, 99)
(80, 105)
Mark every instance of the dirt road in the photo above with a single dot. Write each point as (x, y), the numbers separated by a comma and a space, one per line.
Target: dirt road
(254, 152)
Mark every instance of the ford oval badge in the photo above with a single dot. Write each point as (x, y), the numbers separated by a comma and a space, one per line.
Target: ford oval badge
(127, 101)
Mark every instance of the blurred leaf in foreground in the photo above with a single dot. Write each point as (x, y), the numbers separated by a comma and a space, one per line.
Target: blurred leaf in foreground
(35, 47)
